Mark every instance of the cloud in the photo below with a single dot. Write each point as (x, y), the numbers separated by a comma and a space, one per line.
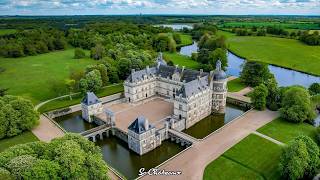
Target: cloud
(41, 7)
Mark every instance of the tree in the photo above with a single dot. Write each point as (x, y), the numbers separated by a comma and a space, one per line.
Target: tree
(97, 52)
(255, 73)
(79, 53)
(16, 115)
(42, 169)
(70, 83)
(294, 160)
(5, 174)
(177, 38)
(103, 72)
(172, 45)
(20, 164)
(3, 91)
(300, 159)
(314, 89)
(258, 97)
(296, 105)
(273, 98)
(170, 63)
(219, 54)
(91, 82)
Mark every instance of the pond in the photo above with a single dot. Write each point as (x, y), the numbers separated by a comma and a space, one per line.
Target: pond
(176, 26)
(74, 123)
(284, 77)
(116, 154)
(213, 122)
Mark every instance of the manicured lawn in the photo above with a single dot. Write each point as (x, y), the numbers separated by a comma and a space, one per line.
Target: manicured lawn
(7, 31)
(65, 102)
(186, 39)
(25, 137)
(252, 158)
(235, 85)
(278, 51)
(225, 169)
(284, 131)
(181, 60)
(32, 76)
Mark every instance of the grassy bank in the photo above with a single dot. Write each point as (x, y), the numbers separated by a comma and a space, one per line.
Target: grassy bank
(7, 31)
(186, 39)
(285, 131)
(66, 102)
(235, 85)
(283, 52)
(252, 158)
(32, 77)
(25, 137)
(181, 60)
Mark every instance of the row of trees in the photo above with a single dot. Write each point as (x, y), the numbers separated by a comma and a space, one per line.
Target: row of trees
(69, 157)
(32, 42)
(293, 102)
(16, 116)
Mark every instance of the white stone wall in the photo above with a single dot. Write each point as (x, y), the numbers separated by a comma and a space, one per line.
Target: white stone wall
(88, 111)
(143, 143)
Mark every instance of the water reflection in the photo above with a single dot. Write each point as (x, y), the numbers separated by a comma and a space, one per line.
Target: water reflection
(116, 154)
(213, 122)
(176, 26)
(74, 123)
(284, 77)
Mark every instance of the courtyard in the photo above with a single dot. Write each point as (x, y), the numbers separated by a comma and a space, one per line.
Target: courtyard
(155, 110)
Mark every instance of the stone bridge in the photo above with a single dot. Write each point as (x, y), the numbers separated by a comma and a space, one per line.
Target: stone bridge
(100, 131)
(180, 137)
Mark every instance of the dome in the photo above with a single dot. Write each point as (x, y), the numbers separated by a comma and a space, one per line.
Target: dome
(219, 74)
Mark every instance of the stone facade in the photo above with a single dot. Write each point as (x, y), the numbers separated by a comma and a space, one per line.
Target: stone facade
(91, 105)
(195, 94)
(142, 136)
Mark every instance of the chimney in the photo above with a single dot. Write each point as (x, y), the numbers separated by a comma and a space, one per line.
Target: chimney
(158, 66)
(146, 124)
(201, 71)
(133, 71)
(147, 69)
(183, 68)
(177, 66)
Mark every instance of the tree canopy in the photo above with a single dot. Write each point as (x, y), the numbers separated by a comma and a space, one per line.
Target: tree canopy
(69, 157)
(258, 97)
(255, 73)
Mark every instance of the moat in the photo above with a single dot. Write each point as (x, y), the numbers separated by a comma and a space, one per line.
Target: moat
(117, 154)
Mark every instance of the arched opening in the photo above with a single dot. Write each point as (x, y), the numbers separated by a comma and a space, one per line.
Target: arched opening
(129, 99)
(180, 117)
(146, 95)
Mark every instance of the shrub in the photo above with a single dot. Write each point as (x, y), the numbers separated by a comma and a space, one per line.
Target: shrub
(296, 105)
(258, 97)
(5, 174)
(79, 53)
(314, 89)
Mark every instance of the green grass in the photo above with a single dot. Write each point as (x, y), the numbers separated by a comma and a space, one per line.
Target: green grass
(7, 31)
(181, 60)
(315, 100)
(31, 76)
(66, 102)
(25, 137)
(186, 39)
(231, 170)
(235, 85)
(283, 52)
(284, 131)
(252, 158)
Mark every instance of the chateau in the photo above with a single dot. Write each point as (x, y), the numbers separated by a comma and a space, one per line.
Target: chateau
(193, 95)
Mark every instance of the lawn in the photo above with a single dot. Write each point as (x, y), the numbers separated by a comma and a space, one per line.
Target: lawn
(235, 85)
(65, 102)
(7, 31)
(186, 39)
(289, 25)
(25, 137)
(181, 60)
(32, 77)
(252, 158)
(283, 52)
(284, 131)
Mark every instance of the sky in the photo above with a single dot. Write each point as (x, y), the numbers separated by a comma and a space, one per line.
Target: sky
(115, 7)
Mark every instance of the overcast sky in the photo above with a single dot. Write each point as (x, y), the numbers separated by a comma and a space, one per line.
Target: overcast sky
(104, 7)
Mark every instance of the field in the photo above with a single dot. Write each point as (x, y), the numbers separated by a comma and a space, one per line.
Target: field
(186, 39)
(19, 139)
(65, 102)
(181, 60)
(33, 77)
(235, 85)
(286, 25)
(284, 131)
(283, 52)
(252, 158)
(7, 31)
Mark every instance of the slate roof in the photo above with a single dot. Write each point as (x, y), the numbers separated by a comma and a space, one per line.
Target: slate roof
(219, 74)
(138, 125)
(90, 99)
(194, 87)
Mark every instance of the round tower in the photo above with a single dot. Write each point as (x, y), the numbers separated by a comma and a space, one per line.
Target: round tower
(219, 89)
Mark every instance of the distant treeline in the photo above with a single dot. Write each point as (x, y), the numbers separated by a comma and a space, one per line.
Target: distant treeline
(310, 38)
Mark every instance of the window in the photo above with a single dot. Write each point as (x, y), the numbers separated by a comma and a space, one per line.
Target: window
(180, 106)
